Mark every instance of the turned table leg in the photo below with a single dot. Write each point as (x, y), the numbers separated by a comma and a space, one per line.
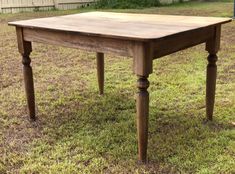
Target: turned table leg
(143, 59)
(29, 85)
(25, 48)
(212, 46)
(142, 106)
(211, 85)
(100, 71)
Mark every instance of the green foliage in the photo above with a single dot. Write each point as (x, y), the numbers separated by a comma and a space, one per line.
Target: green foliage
(126, 3)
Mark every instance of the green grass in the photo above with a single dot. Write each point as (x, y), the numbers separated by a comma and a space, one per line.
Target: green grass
(79, 131)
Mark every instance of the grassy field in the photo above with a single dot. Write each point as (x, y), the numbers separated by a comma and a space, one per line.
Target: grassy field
(79, 131)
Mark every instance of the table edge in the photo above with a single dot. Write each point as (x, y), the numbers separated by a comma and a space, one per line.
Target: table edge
(143, 39)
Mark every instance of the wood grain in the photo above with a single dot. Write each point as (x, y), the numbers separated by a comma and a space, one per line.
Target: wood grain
(142, 107)
(25, 49)
(122, 25)
(73, 40)
(100, 71)
(15, 6)
(212, 46)
(180, 41)
(143, 58)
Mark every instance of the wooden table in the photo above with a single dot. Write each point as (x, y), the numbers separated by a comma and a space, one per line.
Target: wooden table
(141, 36)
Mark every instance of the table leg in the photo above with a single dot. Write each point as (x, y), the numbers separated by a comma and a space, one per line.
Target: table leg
(100, 71)
(211, 85)
(142, 107)
(212, 46)
(142, 66)
(25, 48)
(29, 85)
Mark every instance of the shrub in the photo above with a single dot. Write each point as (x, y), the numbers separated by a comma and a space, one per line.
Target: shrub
(126, 3)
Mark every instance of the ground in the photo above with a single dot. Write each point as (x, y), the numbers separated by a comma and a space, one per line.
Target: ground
(78, 131)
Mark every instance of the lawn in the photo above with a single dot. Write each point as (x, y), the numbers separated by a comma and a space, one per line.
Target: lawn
(78, 131)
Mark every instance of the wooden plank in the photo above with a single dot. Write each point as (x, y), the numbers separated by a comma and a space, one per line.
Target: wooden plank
(140, 27)
(11, 6)
(0, 6)
(28, 4)
(14, 6)
(74, 40)
(171, 44)
(56, 4)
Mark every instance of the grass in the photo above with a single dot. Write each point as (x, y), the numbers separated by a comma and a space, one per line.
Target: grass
(79, 131)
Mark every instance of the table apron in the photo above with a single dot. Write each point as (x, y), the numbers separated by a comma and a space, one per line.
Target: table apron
(75, 40)
(180, 41)
(158, 48)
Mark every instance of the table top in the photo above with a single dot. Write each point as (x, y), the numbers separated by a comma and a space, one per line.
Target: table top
(122, 25)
